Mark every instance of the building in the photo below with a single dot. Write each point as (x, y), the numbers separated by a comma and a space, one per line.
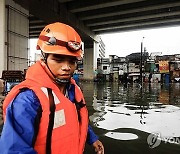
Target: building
(112, 68)
(101, 49)
(153, 68)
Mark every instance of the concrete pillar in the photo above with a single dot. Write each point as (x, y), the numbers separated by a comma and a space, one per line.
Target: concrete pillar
(2, 36)
(88, 73)
(95, 55)
(90, 62)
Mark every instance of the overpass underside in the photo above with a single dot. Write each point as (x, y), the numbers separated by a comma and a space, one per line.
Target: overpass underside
(105, 16)
(23, 20)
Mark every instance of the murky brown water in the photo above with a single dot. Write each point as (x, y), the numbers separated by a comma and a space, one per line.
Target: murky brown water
(125, 116)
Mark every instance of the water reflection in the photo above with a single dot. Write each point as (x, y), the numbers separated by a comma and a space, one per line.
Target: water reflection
(119, 108)
(144, 108)
(121, 136)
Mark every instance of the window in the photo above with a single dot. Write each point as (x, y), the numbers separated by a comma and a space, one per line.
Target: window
(104, 67)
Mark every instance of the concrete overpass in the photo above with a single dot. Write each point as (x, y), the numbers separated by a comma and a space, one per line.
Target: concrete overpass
(93, 17)
(89, 18)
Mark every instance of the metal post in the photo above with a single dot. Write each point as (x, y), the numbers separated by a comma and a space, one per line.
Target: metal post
(141, 63)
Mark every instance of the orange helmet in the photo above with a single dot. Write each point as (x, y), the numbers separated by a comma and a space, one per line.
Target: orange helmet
(59, 38)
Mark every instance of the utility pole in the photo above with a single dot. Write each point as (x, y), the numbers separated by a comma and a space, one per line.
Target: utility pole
(141, 62)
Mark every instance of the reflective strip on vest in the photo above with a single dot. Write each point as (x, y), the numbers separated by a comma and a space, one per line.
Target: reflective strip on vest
(59, 118)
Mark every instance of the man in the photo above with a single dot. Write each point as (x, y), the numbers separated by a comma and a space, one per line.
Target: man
(46, 113)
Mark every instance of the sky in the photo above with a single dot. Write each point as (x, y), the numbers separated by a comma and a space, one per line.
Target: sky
(164, 40)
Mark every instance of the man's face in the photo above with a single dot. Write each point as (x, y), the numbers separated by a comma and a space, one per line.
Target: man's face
(61, 66)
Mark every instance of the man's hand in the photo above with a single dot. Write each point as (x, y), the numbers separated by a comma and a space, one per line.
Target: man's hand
(98, 146)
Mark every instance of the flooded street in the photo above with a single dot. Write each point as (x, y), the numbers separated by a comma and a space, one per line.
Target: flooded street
(134, 120)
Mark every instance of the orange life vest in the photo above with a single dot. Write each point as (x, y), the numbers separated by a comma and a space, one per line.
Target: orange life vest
(68, 134)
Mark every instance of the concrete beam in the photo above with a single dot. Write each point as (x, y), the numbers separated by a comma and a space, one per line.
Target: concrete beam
(139, 25)
(72, 20)
(36, 21)
(91, 5)
(35, 31)
(64, 1)
(118, 20)
(109, 12)
(34, 36)
(144, 27)
(36, 26)
(48, 13)
(88, 16)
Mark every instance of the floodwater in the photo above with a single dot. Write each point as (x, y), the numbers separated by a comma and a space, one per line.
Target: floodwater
(130, 119)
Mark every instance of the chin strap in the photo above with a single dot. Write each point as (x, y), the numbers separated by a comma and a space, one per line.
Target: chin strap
(61, 81)
(57, 80)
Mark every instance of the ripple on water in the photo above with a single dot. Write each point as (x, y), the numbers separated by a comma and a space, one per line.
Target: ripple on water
(121, 136)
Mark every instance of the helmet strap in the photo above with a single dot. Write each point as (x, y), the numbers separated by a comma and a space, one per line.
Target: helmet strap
(44, 56)
(56, 79)
(61, 81)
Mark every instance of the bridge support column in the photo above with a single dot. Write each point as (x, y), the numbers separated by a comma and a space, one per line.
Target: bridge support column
(2, 36)
(90, 62)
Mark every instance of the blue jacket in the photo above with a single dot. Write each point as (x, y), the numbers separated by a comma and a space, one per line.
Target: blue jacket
(18, 132)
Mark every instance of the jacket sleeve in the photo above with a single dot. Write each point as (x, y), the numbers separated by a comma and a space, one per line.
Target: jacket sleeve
(18, 130)
(91, 136)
